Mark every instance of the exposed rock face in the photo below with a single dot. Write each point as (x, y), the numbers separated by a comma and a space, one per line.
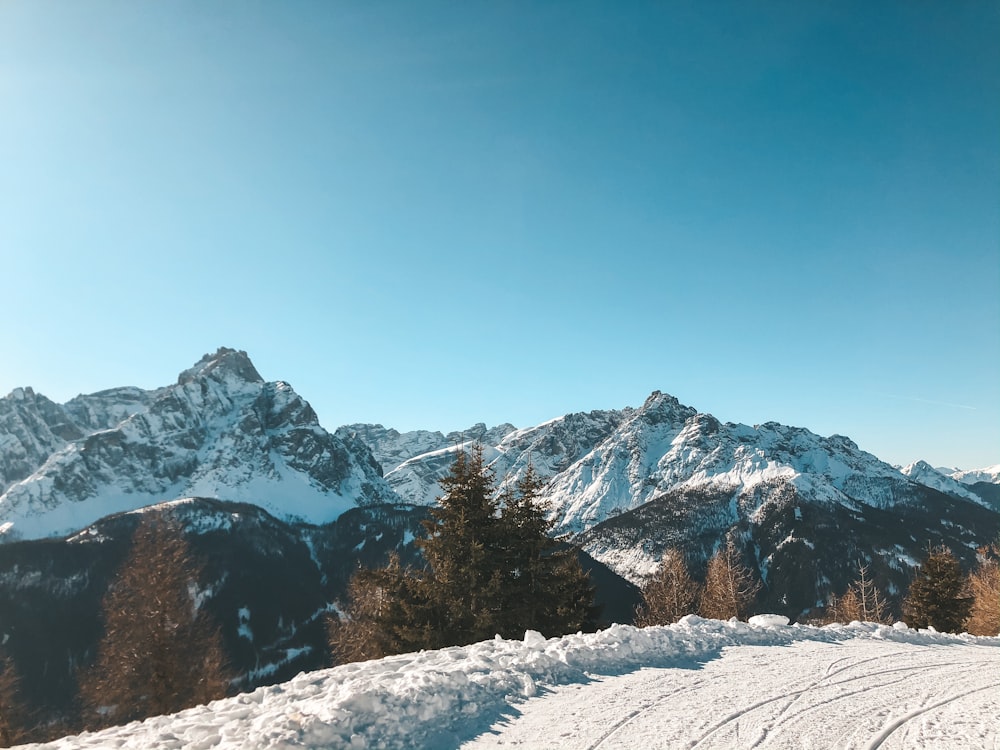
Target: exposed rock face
(923, 473)
(31, 429)
(392, 448)
(603, 463)
(221, 431)
(804, 549)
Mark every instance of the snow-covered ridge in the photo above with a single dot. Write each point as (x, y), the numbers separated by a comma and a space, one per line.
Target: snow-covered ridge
(439, 698)
(927, 475)
(220, 432)
(599, 464)
(989, 474)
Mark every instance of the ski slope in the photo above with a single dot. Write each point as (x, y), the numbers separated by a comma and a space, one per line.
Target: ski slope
(697, 684)
(867, 694)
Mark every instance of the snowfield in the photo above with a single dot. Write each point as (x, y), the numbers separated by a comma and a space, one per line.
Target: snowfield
(697, 684)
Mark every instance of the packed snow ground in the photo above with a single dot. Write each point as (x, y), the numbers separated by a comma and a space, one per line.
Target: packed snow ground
(696, 684)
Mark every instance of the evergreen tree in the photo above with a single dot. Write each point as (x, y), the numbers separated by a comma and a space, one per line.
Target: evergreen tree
(730, 587)
(386, 613)
(984, 586)
(12, 714)
(544, 587)
(461, 550)
(669, 594)
(491, 568)
(159, 653)
(938, 597)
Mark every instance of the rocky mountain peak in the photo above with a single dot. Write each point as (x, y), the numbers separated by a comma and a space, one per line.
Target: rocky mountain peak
(661, 407)
(225, 364)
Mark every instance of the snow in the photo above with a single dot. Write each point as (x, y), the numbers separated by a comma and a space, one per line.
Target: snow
(698, 683)
(925, 474)
(987, 474)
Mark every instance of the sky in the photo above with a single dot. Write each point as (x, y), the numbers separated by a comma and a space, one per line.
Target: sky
(432, 214)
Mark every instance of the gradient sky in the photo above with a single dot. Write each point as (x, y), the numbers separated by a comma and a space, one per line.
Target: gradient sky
(432, 214)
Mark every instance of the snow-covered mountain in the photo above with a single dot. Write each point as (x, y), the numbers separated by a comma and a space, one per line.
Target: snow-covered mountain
(550, 447)
(391, 447)
(927, 475)
(990, 474)
(221, 431)
(623, 482)
(600, 464)
(806, 508)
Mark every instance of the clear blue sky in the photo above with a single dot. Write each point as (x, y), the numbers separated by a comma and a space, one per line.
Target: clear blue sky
(431, 214)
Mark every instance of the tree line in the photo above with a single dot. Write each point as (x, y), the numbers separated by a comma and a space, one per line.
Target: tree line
(941, 595)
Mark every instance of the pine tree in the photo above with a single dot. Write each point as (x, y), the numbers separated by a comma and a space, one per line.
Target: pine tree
(543, 585)
(159, 653)
(12, 713)
(386, 613)
(489, 570)
(938, 597)
(984, 587)
(461, 551)
(730, 587)
(669, 594)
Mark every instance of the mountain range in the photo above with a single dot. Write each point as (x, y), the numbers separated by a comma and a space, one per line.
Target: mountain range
(268, 496)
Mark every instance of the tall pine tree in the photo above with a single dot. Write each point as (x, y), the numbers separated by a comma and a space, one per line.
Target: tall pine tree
(544, 586)
(461, 548)
(160, 653)
(12, 713)
(491, 568)
(938, 596)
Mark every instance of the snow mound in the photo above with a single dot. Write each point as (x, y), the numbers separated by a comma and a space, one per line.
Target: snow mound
(435, 698)
(768, 621)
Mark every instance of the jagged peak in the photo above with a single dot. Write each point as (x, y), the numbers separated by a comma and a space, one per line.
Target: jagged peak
(918, 466)
(660, 406)
(21, 394)
(224, 361)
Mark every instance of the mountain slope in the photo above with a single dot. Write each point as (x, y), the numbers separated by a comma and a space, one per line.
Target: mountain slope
(925, 474)
(806, 509)
(989, 474)
(391, 447)
(220, 431)
(600, 464)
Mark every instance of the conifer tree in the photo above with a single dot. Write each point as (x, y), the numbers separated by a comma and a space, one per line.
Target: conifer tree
(938, 597)
(489, 570)
(159, 653)
(984, 587)
(544, 587)
(669, 594)
(730, 587)
(386, 613)
(461, 551)
(12, 713)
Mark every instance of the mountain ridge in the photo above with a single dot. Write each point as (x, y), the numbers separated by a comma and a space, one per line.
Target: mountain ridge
(220, 431)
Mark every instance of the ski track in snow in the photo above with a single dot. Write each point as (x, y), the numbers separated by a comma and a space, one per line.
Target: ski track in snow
(697, 685)
(758, 697)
